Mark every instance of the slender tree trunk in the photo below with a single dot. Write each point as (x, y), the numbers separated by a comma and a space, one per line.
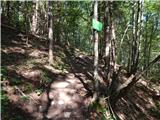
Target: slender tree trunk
(112, 49)
(136, 34)
(35, 17)
(46, 17)
(17, 17)
(113, 43)
(26, 17)
(8, 11)
(139, 36)
(133, 37)
(96, 53)
(149, 47)
(145, 45)
(50, 33)
(59, 4)
(130, 43)
(107, 39)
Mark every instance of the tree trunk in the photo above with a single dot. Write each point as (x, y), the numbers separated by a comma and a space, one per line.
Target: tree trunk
(50, 32)
(111, 45)
(8, 11)
(96, 53)
(106, 39)
(35, 17)
(135, 41)
(17, 17)
(26, 17)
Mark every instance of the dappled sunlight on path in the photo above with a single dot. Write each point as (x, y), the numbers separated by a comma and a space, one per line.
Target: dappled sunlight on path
(65, 99)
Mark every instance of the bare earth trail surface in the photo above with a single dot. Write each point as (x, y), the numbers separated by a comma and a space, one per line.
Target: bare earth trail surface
(64, 99)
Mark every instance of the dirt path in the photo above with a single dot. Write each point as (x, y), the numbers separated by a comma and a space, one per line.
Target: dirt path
(64, 99)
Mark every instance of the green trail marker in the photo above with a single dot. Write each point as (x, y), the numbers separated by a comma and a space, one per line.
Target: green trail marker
(96, 25)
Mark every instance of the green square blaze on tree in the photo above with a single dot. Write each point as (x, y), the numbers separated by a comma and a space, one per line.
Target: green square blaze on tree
(96, 25)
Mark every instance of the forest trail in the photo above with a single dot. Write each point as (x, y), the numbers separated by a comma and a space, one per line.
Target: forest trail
(66, 99)
(63, 95)
(63, 92)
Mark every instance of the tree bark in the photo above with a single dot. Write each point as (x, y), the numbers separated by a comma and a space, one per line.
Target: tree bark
(135, 41)
(8, 11)
(50, 32)
(17, 12)
(106, 38)
(35, 17)
(112, 49)
(96, 54)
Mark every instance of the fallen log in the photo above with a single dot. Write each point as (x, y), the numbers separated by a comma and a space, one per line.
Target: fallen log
(132, 80)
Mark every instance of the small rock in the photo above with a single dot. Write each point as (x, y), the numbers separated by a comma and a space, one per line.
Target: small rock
(61, 102)
(67, 114)
(52, 103)
(70, 75)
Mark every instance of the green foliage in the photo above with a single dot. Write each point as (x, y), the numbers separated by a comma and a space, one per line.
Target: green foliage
(155, 112)
(3, 73)
(28, 87)
(16, 81)
(24, 98)
(4, 101)
(158, 104)
(4, 76)
(45, 79)
(60, 61)
(102, 110)
(39, 91)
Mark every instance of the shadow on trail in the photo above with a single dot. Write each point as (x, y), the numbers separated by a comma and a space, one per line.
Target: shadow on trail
(82, 67)
(61, 99)
(20, 113)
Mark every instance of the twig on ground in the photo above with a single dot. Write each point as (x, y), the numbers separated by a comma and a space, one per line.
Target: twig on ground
(23, 94)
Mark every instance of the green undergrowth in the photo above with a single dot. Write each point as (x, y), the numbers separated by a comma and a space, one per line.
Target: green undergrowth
(4, 101)
(7, 109)
(45, 78)
(102, 111)
(60, 60)
(4, 104)
(155, 113)
(3, 73)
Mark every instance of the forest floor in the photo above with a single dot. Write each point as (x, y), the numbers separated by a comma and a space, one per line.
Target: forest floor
(33, 90)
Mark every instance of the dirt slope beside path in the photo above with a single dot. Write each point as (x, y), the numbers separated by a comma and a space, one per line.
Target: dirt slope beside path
(141, 103)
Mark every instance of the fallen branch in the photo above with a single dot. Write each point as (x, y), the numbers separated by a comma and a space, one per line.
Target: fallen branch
(39, 37)
(23, 94)
(12, 28)
(134, 78)
(15, 29)
(121, 90)
(128, 25)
